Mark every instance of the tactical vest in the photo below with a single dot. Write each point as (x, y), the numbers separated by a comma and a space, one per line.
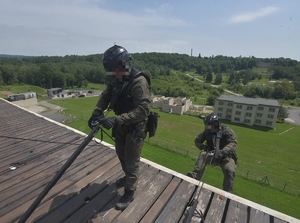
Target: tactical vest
(221, 142)
(210, 137)
(121, 100)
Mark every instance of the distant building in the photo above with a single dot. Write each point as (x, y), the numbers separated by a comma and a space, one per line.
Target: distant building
(25, 100)
(52, 92)
(248, 111)
(177, 105)
(56, 93)
(21, 96)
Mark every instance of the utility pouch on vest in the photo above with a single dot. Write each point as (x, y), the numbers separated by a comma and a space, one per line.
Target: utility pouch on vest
(152, 123)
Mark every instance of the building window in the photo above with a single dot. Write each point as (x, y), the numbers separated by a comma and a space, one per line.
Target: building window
(268, 123)
(230, 104)
(259, 114)
(220, 115)
(228, 116)
(260, 108)
(257, 121)
(237, 119)
(239, 106)
(271, 109)
(249, 107)
(271, 116)
(229, 110)
(220, 102)
(248, 114)
(238, 113)
(220, 109)
(247, 121)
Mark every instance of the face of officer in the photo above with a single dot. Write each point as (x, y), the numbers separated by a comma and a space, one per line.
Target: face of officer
(118, 73)
(212, 127)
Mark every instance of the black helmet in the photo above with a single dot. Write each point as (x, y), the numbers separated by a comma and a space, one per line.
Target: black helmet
(212, 122)
(116, 57)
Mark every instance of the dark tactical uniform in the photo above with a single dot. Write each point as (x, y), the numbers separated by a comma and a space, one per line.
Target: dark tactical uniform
(130, 101)
(228, 141)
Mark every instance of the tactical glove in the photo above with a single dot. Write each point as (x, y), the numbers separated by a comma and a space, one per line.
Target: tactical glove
(222, 154)
(225, 152)
(94, 120)
(206, 148)
(110, 122)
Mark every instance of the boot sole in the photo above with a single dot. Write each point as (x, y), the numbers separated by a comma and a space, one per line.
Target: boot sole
(123, 208)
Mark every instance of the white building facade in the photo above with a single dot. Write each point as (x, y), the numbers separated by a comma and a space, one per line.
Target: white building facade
(177, 105)
(247, 111)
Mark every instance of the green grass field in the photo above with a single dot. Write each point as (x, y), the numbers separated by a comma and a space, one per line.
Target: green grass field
(263, 154)
(15, 89)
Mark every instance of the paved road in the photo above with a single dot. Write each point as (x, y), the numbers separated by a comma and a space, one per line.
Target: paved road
(55, 113)
(294, 115)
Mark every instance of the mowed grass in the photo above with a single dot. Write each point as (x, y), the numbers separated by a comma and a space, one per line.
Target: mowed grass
(262, 153)
(16, 89)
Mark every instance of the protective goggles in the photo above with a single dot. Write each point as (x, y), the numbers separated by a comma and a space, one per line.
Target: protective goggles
(116, 66)
(211, 127)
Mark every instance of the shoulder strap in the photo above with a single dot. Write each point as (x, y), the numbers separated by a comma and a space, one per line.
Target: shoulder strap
(217, 145)
(137, 73)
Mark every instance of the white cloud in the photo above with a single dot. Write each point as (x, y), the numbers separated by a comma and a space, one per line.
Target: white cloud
(160, 9)
(170, 45)
(250, 16)
(69, 27)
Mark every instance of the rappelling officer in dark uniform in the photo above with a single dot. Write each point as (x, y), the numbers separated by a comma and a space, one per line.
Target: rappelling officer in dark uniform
(128, 95)
(219, 145)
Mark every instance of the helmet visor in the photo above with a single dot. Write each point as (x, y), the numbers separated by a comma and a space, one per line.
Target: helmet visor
(212, 127)
(116, 66)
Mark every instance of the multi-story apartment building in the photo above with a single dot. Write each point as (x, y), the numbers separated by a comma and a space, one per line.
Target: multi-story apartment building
(248, 111)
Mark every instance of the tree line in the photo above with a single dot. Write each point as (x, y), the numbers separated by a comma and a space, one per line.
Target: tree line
(76, 71)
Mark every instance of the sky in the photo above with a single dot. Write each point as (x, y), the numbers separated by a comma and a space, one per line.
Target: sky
(263, 29)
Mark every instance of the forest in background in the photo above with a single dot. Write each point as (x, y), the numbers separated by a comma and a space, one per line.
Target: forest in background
(281, 76)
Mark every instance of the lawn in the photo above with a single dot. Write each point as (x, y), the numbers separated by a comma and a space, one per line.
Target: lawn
(267, 159)
(16, 89)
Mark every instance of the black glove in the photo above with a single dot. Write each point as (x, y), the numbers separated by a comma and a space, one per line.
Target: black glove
(222, 154)
(93, 118)
(206, 148)
(225, 152)
(110, 122)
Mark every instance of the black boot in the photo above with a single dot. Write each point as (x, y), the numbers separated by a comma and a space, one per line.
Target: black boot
(125, 200)
(192, 175)
(121, 182)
